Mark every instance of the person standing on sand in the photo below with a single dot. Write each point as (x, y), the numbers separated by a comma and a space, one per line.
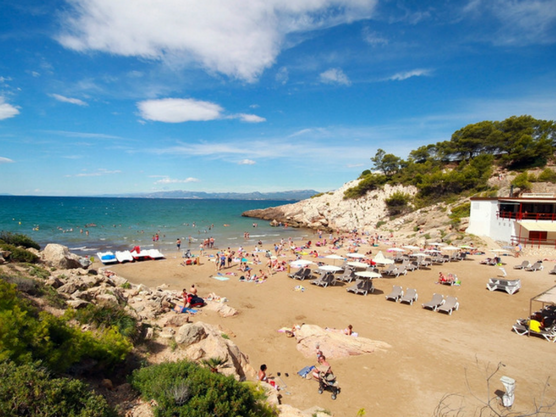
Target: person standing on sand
(178, 243)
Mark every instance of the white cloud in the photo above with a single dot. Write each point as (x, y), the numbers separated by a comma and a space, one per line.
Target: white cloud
(250, 118)
(99, 173)
(519, 22)
(237, 38)
(167, 180)
(246, 162)
(68, 100)
(373, 38)
(400, 76)
(334, 76)
(282, 75)
(5, 160)
(7, 110)
(176, 110)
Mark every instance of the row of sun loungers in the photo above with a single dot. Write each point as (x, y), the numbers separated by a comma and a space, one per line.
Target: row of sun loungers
(437, 303)
(542, 324)
(511, 286)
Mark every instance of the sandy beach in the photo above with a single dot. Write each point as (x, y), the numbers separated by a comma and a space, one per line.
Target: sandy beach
(431, 355)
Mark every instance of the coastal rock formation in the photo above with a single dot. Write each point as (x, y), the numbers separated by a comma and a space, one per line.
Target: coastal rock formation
(334, 344)
(329, 211)
(58, 256)
(203, 341)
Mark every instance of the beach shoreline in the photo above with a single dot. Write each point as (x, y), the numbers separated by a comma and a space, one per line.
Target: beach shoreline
(431, 355)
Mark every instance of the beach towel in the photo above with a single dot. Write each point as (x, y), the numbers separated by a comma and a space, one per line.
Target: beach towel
(305, 371)
(220, 278)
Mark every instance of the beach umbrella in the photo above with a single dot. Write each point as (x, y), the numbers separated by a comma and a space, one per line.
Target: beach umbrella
(498, 250)
(334, 257)
(381, 259)
(356, 255)
(356, 264)
(432, 251)
(466, 247)
(411, 247)
(301, 262)
(368, 274)
(437, 244)
(330, 268)
(451, 248)
(419, 255)
(395, 250)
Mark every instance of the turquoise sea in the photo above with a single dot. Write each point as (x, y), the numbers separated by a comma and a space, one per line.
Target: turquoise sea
(121, 223)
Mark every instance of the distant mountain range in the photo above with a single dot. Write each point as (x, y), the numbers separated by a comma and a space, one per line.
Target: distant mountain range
(294, 195)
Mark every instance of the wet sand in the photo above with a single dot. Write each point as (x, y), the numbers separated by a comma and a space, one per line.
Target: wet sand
(432, 354)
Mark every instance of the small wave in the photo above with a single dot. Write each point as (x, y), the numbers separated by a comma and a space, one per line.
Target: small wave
(79, 248)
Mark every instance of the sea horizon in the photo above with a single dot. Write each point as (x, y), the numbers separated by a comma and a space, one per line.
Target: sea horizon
(87, 225)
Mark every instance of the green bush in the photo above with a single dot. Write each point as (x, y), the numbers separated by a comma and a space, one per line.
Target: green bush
(398, 203)
(18, 254)
(28, 335)
(369, 183)
(547, 175)
(522, 181)
(186, 389)
(29, 390)
(104, 317)
(463, 210)
(18, 239)
(39, 272)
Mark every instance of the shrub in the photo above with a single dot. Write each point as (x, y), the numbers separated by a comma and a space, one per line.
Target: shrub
(105, 317)
(18, 239)
(186, 389)
(463, 210)
(18, 254)
(28, 335)
(522, 181)
(368, 183)
(547, 175)
(29, 390)
(37, 271)
(380, 223)
(398, 203)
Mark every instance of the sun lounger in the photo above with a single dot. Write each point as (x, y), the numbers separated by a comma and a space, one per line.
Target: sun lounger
(450, 304)
(537, 266)
(549, 334)
(362, 286)
(396, 293)
(410, 296)
(325, 281)
(390, 270)
(522, 265)
(509, 285)
(347, 276)
(437, 301)
(299, 272)
(307, 273)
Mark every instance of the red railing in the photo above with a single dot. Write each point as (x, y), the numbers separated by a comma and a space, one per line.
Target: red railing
(532, 243)
(526, 216)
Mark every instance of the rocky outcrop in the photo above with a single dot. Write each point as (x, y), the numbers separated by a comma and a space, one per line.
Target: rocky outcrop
(59, 257)
(334, 344)
(330, 211)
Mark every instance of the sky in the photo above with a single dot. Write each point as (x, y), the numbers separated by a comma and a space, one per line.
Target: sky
(129, 96)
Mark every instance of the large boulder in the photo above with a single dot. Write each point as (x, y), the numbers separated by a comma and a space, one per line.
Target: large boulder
(334, 344)
(203, 341)
(59, 256)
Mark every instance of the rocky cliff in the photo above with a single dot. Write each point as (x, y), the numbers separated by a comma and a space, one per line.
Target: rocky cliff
(329, 211)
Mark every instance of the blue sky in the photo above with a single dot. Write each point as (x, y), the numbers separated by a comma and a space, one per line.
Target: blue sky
(118, 96)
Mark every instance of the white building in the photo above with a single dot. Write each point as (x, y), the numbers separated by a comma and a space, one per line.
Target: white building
(529, 220)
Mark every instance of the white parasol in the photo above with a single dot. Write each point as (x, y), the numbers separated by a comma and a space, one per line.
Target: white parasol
(368, 274)
(334, 257)
(449, 248)
(411, 247)
(381, 259)
(395, 250)
(330, 268)
(358, 264)
(356, 255)
(301, 262)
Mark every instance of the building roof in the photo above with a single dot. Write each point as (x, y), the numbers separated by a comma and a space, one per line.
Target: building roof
(538, 226)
